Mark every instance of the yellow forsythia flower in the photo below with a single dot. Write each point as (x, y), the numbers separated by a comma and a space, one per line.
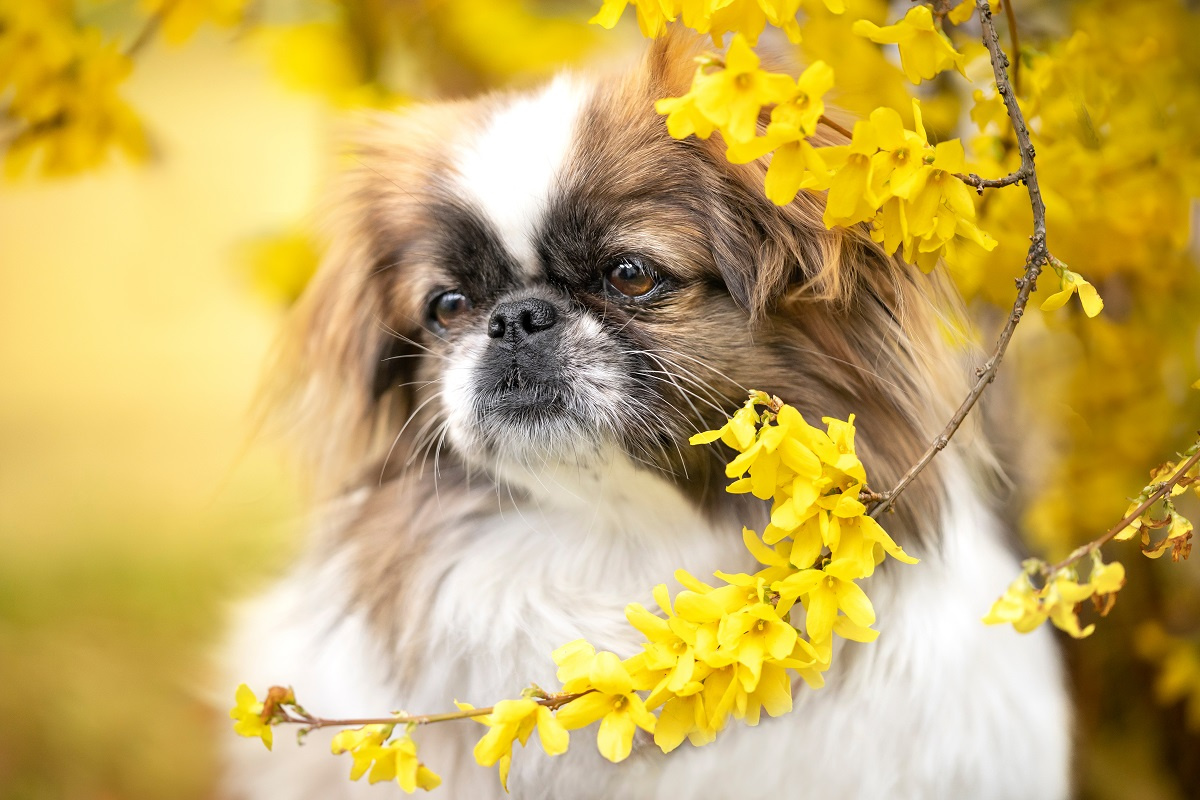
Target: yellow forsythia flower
(849, 201)
(669, 649)
(796, 164)
(1060, 598)
(394, 760)
(515, 720)
(652, 15)
(1073, 283)
(924, 50)
(247, 716)
(67, 98)
(282, 264)
(1178, 661)
(1019, 606)
(361, 744)
(732, 97)
(828, 590)
(611, 699)
(961, 12)
(397, 760)
(1106, 578)
(181, 18)
(1026, 606)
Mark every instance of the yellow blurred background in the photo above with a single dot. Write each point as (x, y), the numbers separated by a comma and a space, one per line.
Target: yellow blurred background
(138, 304)
(133, 503)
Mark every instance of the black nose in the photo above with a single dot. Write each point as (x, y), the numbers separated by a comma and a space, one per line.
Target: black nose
(520, 319)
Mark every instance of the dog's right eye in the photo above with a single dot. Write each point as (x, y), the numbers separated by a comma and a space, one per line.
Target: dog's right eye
(448, 307)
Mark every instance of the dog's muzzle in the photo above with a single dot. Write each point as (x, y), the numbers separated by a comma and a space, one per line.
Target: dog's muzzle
(522, 368)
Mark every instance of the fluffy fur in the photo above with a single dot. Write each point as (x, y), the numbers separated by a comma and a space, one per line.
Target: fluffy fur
(475, 512)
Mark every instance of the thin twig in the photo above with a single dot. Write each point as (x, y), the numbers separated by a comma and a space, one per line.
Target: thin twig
(1016, 44)
(1038, 256)
(971, 179)
(827, 122)
(299, 717)
(1160, 493)
(149, 29)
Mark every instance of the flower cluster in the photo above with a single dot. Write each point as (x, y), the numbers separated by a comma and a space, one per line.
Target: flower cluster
(924, 48)
(907, 189)
(1026, 606)
(714, 17)
(1058, 599)
(373, 748)
(512, 721)
(180, 19)
(716, 652)
(388, 758)
(62, 83)
(1160, 525)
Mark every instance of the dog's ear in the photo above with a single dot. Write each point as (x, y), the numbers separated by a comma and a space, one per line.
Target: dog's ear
(339, 361)
(766, 252)
(344, 380)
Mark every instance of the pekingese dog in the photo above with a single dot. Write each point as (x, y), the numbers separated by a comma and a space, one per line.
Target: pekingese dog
(528, 304)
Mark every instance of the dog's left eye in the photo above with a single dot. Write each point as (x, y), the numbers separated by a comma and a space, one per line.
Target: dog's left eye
(631, 277)
(447, 307)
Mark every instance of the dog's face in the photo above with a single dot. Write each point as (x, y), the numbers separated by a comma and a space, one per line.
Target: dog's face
(569, 291)
(549, 279)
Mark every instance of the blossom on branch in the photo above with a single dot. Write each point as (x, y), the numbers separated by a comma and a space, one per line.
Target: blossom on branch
(247, 715)
(924, 50)
(512, 721)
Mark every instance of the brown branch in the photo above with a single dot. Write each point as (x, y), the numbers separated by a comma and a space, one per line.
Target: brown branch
(971, 179)
(1159, 493)
(827, 122)
(1037, 256)
(1016, 44)
(298, 716)
(149, 29)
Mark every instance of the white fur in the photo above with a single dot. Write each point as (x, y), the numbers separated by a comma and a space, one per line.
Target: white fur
(510, 168)
(940, 706)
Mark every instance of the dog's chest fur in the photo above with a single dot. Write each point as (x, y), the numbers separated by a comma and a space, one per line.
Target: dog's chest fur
(939, 706)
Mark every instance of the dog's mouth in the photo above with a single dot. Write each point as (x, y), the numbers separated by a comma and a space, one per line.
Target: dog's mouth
(528, 408)
(516, 394)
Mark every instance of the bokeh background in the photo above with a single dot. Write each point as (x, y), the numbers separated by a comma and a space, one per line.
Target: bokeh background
(142, 281)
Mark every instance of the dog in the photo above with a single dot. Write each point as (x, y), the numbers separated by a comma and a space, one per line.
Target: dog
(529, 302)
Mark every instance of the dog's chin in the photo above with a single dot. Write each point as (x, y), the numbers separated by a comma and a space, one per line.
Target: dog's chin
(521, 431)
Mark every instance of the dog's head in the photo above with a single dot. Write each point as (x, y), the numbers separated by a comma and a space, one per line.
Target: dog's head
(548, 278)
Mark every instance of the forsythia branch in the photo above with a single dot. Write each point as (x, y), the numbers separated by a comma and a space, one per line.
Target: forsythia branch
(1036, 258)
(1162, 491)
(980, 184)
(290, 713)
(1016, 44)
(842, 129)
(148, 30)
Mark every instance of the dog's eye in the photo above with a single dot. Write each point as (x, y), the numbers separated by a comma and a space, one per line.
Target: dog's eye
(447, 307)
(631, 278)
